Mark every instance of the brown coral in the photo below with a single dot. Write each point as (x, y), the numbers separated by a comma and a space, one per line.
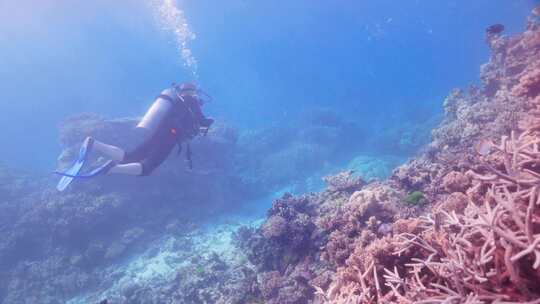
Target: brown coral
(529, 84)
(344, 181)
(529, 88)
(358, 220)
(455, 202)
(274, 227)
(455, 182)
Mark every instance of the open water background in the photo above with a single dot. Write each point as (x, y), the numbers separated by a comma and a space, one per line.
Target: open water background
(262, 61)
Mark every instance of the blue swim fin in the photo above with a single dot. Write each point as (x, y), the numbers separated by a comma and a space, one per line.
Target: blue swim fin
(103, 169)
(71, 173)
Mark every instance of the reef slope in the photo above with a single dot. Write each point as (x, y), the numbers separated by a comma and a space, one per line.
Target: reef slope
(459, 223)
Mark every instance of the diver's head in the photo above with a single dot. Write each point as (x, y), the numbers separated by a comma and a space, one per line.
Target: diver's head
(186, 89)
(195, 98)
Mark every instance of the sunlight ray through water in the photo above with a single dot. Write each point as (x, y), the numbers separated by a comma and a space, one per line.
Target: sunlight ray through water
(171, 18)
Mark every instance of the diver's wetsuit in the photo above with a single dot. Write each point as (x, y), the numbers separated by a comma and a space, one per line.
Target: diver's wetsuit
(183, 122)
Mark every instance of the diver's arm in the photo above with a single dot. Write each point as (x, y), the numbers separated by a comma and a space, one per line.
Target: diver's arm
(195, 108)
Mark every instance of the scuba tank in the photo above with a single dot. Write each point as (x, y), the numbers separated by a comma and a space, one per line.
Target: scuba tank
(158, 111)
(177, 104)
(168, 100)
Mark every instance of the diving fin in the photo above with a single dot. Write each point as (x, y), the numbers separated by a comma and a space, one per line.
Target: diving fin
(73, 171)
(103, 169)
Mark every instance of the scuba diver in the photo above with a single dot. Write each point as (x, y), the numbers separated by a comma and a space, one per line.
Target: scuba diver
(174, 117)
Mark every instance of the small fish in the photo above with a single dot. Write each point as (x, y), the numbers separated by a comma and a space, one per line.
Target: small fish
(484, 147)
(495, 29)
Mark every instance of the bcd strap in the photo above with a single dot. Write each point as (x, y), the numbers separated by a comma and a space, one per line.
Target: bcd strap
(188, 146)
(188, 156)
(167, 97)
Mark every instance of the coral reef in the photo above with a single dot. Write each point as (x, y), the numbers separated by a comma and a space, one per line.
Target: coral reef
(477, 238)
(479, 242)
(304, 238)
(196, 267)
(487, 252)
(59, 241)
(64, 241)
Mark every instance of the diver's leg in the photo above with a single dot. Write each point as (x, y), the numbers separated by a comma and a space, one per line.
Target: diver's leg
(121, 162)
(110, 167)
(140, 161)
(128, 169)
(114, 152)
(167, 141)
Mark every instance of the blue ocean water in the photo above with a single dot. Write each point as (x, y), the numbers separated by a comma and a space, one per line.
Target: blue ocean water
(377, 62)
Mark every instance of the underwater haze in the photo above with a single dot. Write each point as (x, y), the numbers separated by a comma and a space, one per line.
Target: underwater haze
(334, 160)
(262, 61)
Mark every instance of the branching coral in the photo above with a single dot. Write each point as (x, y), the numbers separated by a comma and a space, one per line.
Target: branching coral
(487, 253)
